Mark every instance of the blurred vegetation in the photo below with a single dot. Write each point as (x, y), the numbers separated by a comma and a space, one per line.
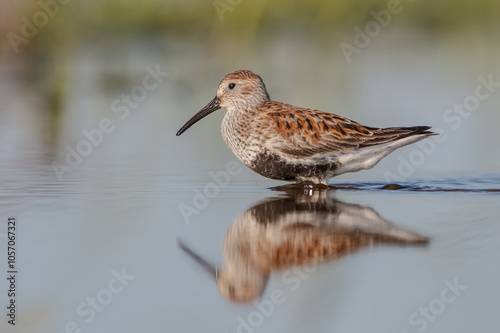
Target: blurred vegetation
(225, 24)
(243, 19)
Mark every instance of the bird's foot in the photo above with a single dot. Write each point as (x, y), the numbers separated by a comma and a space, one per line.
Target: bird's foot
(303, 186)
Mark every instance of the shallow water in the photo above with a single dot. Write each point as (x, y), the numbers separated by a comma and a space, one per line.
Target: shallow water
(122, 209)
(71, 238)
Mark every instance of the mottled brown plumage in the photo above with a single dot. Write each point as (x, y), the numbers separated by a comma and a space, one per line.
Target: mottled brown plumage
(285, 142)
(323, 132)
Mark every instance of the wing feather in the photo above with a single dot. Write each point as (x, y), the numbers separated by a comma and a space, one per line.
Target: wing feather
(305, 132)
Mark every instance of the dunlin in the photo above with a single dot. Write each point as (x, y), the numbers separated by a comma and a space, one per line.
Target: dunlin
(285, 142)
(294, 231)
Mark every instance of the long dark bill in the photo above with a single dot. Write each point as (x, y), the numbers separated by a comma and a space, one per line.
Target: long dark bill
(214, 105)
(209, 267)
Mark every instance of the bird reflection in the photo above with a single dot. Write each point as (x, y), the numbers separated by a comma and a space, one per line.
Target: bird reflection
(293, 230)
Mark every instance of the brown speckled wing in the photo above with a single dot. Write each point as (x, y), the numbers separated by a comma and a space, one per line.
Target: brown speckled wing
(306, 132)
(314, 247)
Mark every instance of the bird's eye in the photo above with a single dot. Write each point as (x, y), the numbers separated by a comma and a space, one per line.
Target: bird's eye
(231, 85)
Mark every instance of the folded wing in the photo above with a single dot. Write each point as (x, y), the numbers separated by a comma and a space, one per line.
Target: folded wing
(306, 132)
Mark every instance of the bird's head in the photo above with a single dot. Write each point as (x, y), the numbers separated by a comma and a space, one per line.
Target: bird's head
(242, 89)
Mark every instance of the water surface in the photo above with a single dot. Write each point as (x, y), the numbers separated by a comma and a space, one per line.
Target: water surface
(121, 210)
